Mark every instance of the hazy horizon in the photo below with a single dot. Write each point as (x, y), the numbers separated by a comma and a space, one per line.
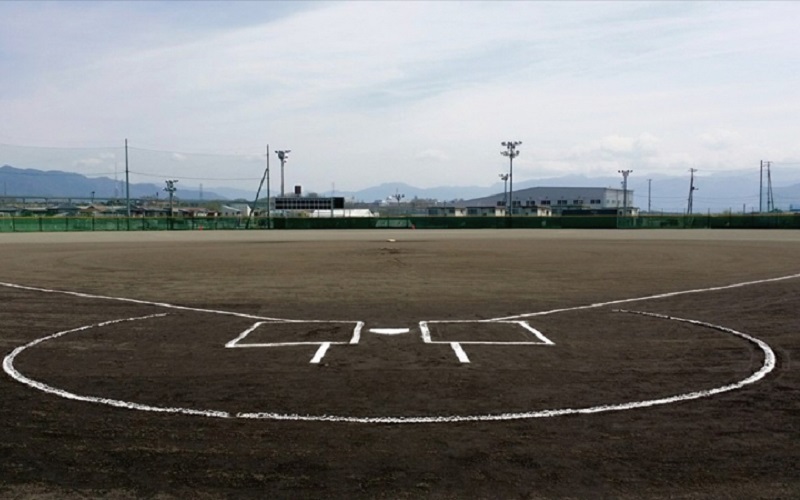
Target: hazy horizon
(421, 92)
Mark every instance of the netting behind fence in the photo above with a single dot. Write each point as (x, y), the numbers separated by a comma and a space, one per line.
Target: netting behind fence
(54, 224)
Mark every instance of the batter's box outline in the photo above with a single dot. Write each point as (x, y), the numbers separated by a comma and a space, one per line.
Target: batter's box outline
(459, 351)
(323, 345)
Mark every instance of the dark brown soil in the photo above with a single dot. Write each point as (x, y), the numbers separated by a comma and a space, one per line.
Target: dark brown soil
(744, 443)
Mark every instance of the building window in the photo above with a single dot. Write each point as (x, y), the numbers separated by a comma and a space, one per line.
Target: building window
(545, 202)
(577, 202)
(596, 202)
(562, 202)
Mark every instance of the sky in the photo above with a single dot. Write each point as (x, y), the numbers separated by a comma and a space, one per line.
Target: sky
(424, 93)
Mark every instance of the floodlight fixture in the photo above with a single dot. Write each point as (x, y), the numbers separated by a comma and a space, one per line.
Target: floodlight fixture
(283, 155)
(171, 190)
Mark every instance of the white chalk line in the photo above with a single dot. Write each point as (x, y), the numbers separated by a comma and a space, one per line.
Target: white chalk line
(389, 331)
(156, 304)
(460, 354)
(233, 343)
(324, 345)
(767, 367)
(648, 297)
(323, 348)
(8, 367)
(425, 331)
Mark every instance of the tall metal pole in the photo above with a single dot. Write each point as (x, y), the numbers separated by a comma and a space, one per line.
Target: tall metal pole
(258, 192)
(171, 190)
(283, 155)
(692, 189)
(625, 174)
(512, 152)
(649, 186)
(504, 177)
(770, 199)
(761, 188)
(269, 201)
(127, 183)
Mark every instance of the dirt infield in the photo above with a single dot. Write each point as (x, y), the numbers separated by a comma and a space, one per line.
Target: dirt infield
(443, 364)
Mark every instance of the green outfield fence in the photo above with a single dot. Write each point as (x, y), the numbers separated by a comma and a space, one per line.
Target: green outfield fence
(55, 224)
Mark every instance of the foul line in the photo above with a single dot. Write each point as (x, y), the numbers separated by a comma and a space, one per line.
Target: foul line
(147, 303)
(649, 297)
(767, 367)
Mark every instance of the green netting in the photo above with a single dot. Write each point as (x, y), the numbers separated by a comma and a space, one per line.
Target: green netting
(60, 224)
(720, 221)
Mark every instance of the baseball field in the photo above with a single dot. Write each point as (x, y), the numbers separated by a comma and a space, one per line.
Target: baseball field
(400, 364)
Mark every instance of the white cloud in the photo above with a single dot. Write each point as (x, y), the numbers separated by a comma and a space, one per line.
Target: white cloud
(432, 154)
(421, 92)
(719, 139)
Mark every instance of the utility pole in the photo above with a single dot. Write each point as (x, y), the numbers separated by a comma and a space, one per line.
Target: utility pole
(504, 177)
(649, 186)
(127, 185)
(269, 193)
(512, 152)
(258, 192)
(625, 174)
(770, 199)
(692, 189)
(283, 155)
(761, 187)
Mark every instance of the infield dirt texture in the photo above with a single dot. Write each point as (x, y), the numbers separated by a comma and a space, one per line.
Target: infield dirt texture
(358, 367)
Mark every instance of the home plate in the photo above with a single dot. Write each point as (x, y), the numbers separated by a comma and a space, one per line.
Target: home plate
(391, 240)
(389, 331)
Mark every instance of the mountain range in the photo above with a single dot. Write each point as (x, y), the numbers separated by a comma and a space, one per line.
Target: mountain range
(735, 191)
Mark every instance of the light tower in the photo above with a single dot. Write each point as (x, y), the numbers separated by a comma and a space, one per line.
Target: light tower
(504, 177)
(171, 190)
(283, 155)
(398, 196)
(512, 152)
(625, 174)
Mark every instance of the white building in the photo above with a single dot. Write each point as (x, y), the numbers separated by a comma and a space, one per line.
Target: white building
(342, 212)
(559, 199)
(237, 210)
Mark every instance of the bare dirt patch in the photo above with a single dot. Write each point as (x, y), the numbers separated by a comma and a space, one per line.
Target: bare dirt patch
(740, 443)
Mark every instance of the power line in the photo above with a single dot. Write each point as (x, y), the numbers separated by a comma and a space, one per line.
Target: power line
(253, 157)
(148, 174)
(2, 144)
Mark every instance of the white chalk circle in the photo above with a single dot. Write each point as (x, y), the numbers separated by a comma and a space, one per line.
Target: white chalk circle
(767, 367)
